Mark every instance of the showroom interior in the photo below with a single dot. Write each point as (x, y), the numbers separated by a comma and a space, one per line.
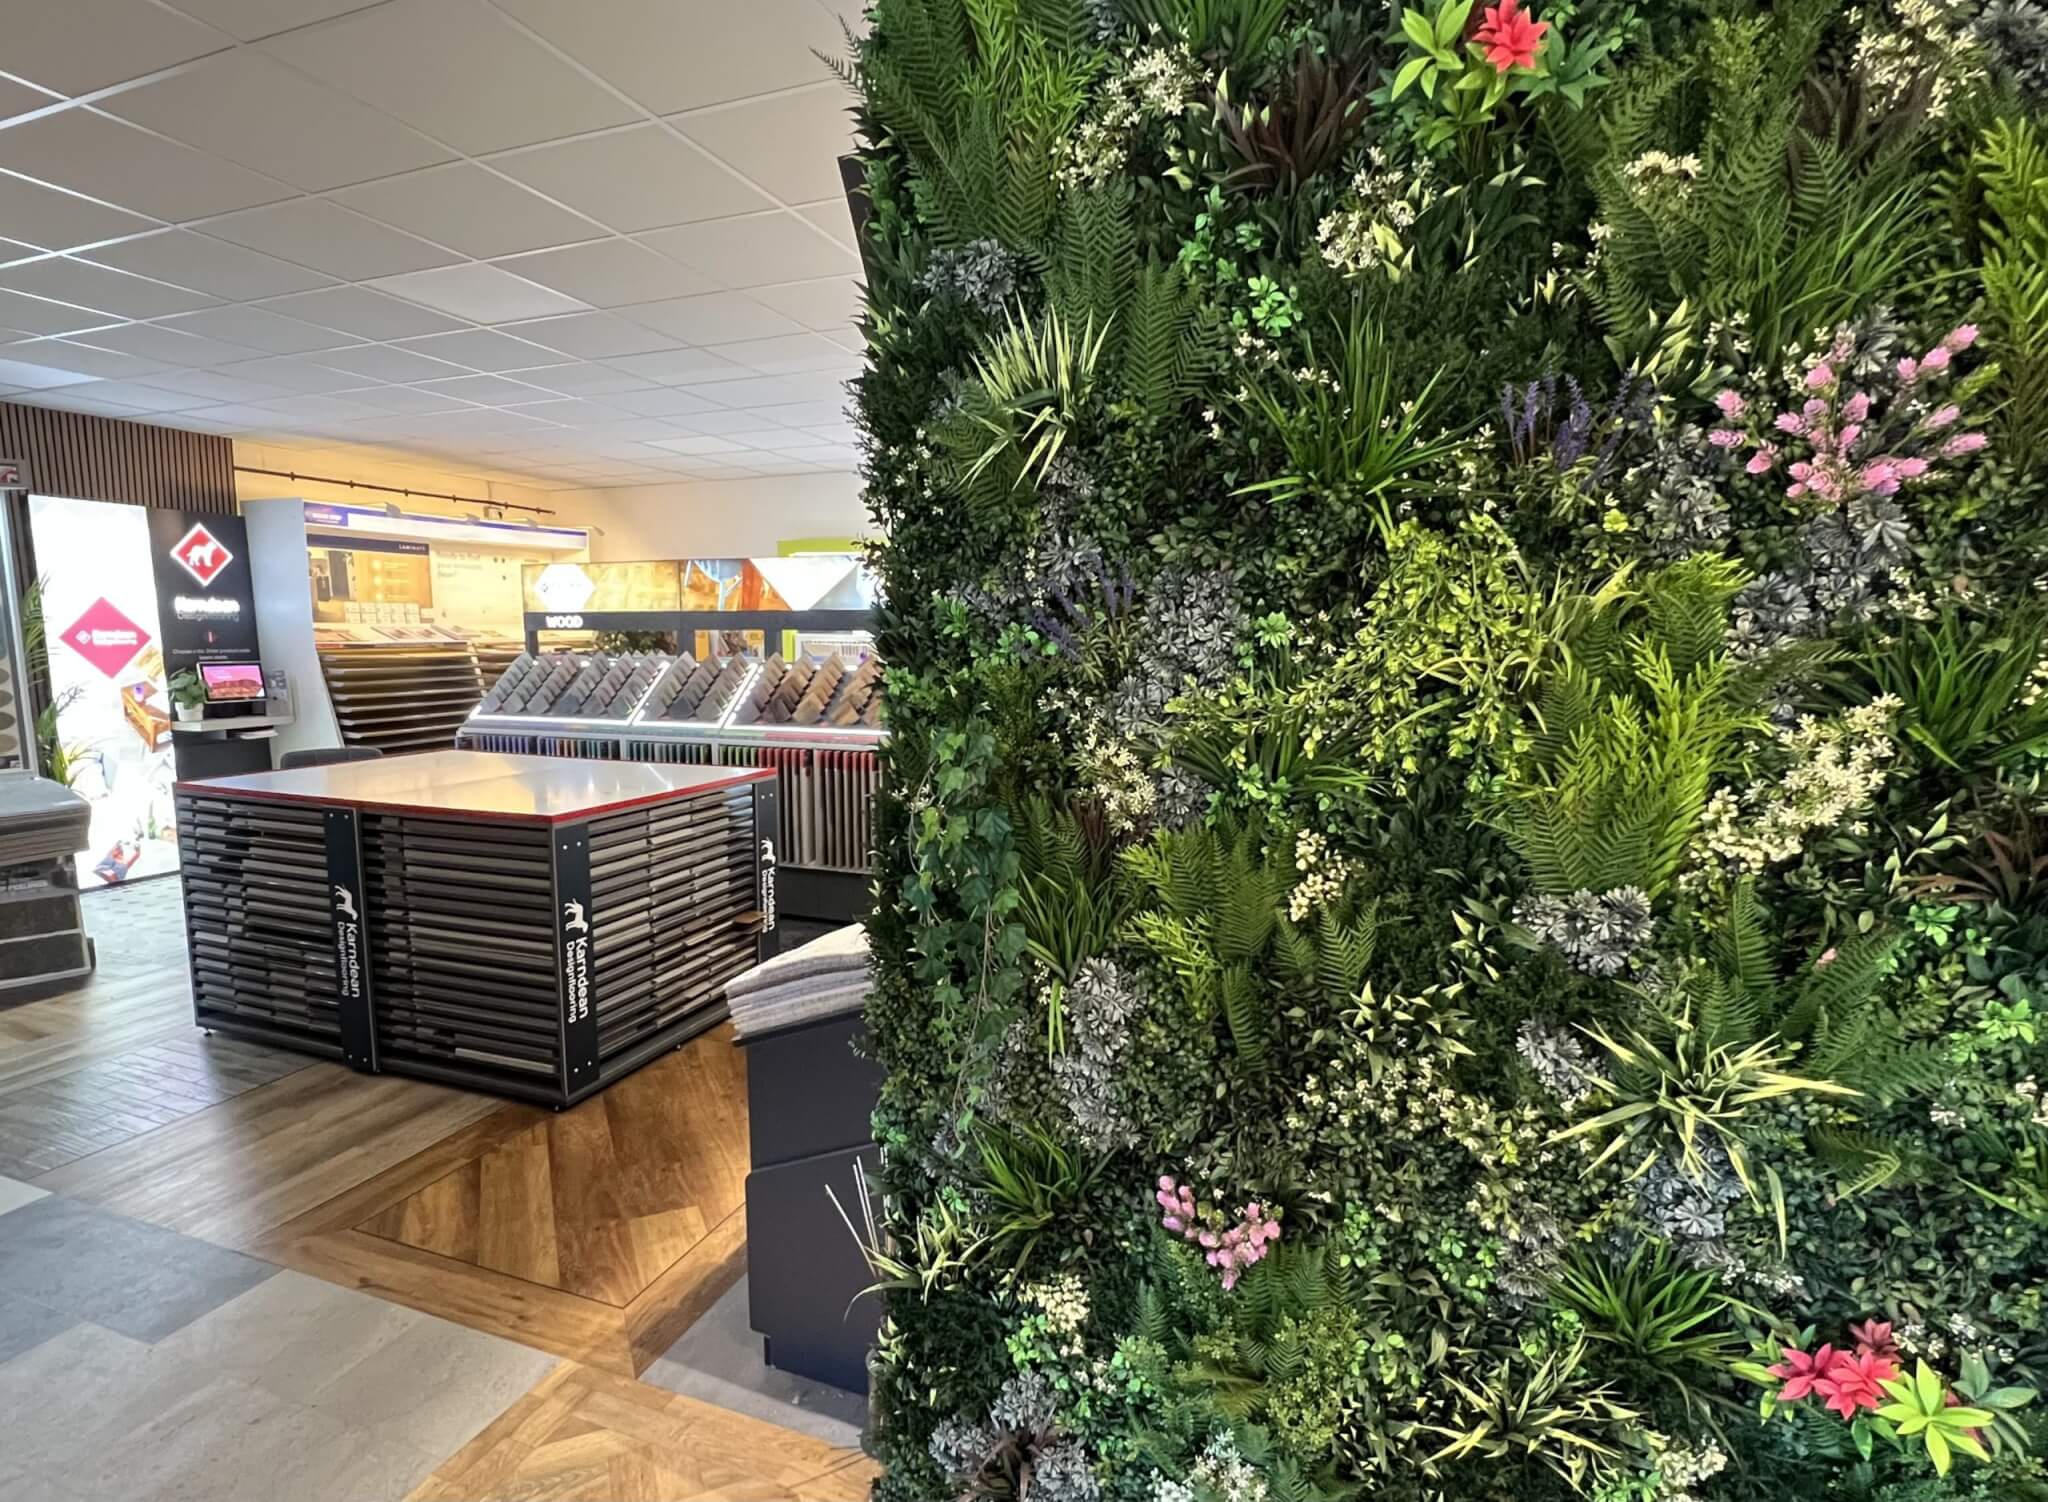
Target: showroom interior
(1023, 750)
(438, 662)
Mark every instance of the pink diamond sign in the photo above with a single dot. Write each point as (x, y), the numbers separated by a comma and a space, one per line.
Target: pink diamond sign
(105, 638)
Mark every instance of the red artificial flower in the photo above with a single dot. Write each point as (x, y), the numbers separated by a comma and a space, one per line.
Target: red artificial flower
(1800, 1372)
(1510, 38)
(1874, 1338)
(1852, 1382)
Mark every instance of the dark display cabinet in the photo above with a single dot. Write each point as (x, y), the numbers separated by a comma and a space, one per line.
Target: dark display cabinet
(531, 926)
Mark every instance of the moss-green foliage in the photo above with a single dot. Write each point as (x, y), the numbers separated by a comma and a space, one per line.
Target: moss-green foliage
(1463, 863)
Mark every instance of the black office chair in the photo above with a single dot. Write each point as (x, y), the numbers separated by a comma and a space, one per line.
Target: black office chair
(326, 756)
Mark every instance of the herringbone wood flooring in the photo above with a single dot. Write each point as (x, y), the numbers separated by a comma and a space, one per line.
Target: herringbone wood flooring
(590, 1436)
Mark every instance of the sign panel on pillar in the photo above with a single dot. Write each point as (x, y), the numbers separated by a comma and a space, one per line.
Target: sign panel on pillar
(767, 841)
(351, 939)
(575, 922)
(205, 596)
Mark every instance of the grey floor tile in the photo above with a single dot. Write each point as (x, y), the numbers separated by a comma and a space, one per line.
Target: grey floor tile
(290, 1335)
(433, 1387)
(140, 1280)
(25, 1324)
(718, 1360)
(64, 1398)
(22, 1486)
(14, 1194)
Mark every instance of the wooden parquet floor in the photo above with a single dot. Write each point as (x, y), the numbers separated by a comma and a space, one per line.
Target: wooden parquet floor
(589, 1436)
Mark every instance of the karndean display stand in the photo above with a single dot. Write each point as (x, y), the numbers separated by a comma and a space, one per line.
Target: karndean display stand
(527, 925)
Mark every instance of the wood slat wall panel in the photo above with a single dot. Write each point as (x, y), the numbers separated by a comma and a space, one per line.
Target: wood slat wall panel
(92, 458)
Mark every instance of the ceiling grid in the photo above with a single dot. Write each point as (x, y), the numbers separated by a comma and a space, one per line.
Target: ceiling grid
(564, 244)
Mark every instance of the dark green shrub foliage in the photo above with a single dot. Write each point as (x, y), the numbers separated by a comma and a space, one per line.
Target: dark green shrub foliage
(1464, 906)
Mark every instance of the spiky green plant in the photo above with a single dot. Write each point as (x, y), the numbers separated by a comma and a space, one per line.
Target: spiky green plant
(1672, 1323)
(2012, 165)
(1551, 1416)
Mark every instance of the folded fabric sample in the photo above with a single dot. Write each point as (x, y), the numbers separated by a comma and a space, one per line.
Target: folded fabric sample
(787, 1006)
(843, 951)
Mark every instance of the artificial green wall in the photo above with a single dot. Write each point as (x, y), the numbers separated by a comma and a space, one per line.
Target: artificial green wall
(1464, 907)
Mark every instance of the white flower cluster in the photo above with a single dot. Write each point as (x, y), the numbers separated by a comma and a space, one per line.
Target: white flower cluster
(2033, 1097)
(2036, 685)
(1323, 875)
(1680, 1467)
(1116, 775)
(1660, 171)
(1221, 1475)
(1837, 765)
(1922, 39)
(1160, 84)
(1367, 234)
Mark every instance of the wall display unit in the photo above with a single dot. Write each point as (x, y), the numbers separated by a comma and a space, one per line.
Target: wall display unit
(401, 697)
(815, 723)
(525, 925)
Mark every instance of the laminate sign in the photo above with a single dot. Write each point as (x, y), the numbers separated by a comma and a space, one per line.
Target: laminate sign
(205, 595)
(351, 968)
(767, 826)
(572, 931)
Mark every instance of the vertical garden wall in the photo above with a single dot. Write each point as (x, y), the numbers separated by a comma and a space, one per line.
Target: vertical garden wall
(1466, 900)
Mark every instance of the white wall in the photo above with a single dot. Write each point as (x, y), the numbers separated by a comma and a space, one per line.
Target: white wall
(714, 518)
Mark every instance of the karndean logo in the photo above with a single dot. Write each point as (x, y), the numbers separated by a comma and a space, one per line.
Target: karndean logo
(105, 638)
(576, 960)
(768, 886)
(202, 555)
(348, 945)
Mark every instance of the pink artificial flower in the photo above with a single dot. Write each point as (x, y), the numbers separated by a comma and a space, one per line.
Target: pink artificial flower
(1846, 439)
(1852, 1382)
(1731, 404)
(1963, 443)
(1874, 1338)
(1942, 417)
(1822, 375)
(1725, 438)
(1173, 1223)
(1909, 370)
(1789, 422)
(1857, 407)
(1936, 358)
(1800, 1372)
(1912, 469)
(1881, 478)
(1509, 38)
(1826, 959)
(1761, 461)
(1960, 338)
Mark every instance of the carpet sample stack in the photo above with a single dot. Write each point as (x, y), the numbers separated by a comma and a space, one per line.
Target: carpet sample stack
(827, 977)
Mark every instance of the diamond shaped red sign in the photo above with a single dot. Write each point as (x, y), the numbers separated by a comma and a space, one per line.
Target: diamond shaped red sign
(105, 638)
(202, 555)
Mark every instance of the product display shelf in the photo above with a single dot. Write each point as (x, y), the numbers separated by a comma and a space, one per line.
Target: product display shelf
(408, 698)
(723, 712)
(524, 925)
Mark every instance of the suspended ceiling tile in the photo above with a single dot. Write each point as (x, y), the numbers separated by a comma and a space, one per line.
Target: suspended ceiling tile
(76, 46)
(165, 345)
(52, 219)
(313, 232)
(663, 401)
(827, 305)
(655, 49)
(40, 316)
(296, 374)
(113, 292)
(469, 209)
(259, 329)
(212, 386)
(792, 354)
(582, 380)
(119, 164)
(253, 110)
(479, 293)
(28, 376)
(142, 398)
(610, 273)
(713, 318)
(633, 180)
(790, 143)
(364, 312)
(386, 363)
(483, 349)
(456, 69)
(207, 265)
(82, 359)
(754, 250)
(680, 367)
(489, 391)
(252, 20)
(592, 336)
